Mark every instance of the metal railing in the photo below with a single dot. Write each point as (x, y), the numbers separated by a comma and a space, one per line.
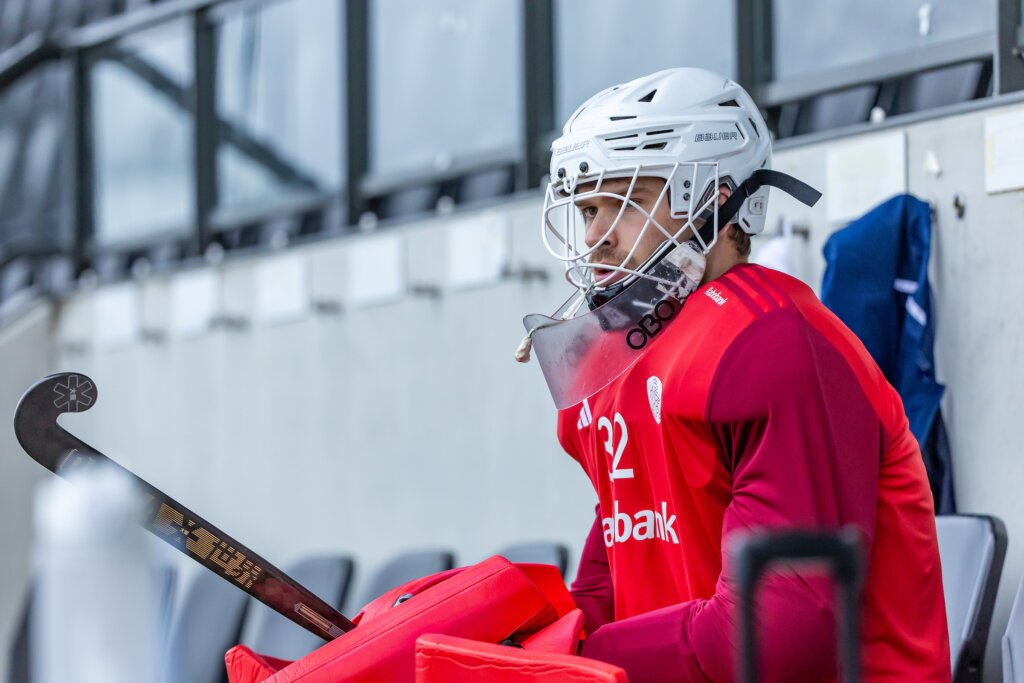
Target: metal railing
(77, 48)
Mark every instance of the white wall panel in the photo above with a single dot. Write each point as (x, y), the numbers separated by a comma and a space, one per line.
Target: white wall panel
(368, 430)
(26, 355)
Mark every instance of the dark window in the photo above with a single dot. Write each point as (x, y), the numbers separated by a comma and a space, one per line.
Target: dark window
(143, 137)
(445, 84)
(279, 95)
(599, 43)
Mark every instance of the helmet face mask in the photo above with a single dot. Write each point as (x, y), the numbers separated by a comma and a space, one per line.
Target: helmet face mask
(644, 239)
(644, 250)
(691, 128)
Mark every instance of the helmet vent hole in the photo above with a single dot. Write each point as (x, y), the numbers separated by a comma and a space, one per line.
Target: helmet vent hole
(620, 137)
(622, 118)
(649, 97)
(729, 103)
(659, 132)
(655, 145)
(754, 126)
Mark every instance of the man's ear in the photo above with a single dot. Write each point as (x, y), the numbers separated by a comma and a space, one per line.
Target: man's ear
(723, 194)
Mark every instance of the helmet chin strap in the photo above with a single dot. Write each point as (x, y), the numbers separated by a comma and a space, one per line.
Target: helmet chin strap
(597, 297)
(798, 189)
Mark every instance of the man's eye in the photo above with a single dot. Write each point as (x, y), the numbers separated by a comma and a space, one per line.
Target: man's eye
(589, 212)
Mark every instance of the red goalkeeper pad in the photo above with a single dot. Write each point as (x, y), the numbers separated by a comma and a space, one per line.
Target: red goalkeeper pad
(488, 602)
(245, 665)
(448, 659)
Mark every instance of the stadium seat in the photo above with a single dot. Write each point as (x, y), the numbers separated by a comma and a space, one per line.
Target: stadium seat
(835, 109)
(484, 185)
(408, 201)
(1013, 641)
(972, 549)
(269, 633)
(208, 624)
(20, 662)
(541, 553)
(943, 87)
(15, 276)
(404, 568)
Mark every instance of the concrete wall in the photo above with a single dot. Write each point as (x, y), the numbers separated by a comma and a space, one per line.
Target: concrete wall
(371, 428)
(26, 354)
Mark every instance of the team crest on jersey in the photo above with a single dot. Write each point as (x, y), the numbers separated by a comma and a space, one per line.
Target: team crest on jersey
(654, 397)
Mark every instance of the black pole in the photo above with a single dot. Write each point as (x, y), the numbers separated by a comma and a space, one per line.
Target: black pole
(841, 551)
(1008, 62)
(357, 104)
(538, 91)
(82, 161)
(754, 54)
(205, 137)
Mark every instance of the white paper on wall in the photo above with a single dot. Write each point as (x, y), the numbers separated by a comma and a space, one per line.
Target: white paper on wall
(116, 315)
(282, 288)
(74, 324)
(194, 302)
(1004, 151)
(375, 270)
(478, 250)
(861, 174)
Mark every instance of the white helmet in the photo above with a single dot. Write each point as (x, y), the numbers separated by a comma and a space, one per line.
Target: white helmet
(692, 127)
(697, 131)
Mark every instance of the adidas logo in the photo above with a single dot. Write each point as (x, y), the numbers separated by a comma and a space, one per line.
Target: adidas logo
(715, 296)
(586, 417)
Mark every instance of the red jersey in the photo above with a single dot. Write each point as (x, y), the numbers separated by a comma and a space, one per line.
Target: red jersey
(757, 407)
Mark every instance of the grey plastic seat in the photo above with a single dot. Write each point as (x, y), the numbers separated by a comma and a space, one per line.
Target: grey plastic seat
(942, 87)
(20, 660)
(406, 567)
(1013, 640)
(835, 109)
(972, 549)
(539, 553)
(483, 185)
(207, 625)
(267, 632)
(409, 201)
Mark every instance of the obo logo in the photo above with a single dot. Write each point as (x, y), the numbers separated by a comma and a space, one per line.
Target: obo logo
(650, 324)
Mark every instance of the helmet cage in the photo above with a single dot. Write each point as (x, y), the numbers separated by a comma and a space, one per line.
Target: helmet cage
(563, 224)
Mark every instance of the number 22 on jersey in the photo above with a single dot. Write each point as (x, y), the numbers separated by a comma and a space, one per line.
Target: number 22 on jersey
(613, 449)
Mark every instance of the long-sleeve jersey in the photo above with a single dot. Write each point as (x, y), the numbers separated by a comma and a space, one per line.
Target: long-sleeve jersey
(756, 408)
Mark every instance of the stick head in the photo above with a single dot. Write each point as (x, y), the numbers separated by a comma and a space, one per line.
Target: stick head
(35, 418)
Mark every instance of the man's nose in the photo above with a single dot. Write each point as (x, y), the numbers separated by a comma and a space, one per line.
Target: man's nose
(596, 231)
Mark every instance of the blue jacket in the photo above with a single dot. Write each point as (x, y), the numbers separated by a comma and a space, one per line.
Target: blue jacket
(876, 281)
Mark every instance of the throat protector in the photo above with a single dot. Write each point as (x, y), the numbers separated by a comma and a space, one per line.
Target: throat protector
(581, 355)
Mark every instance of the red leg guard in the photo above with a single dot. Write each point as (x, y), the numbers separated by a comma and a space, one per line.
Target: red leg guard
(447, 659)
